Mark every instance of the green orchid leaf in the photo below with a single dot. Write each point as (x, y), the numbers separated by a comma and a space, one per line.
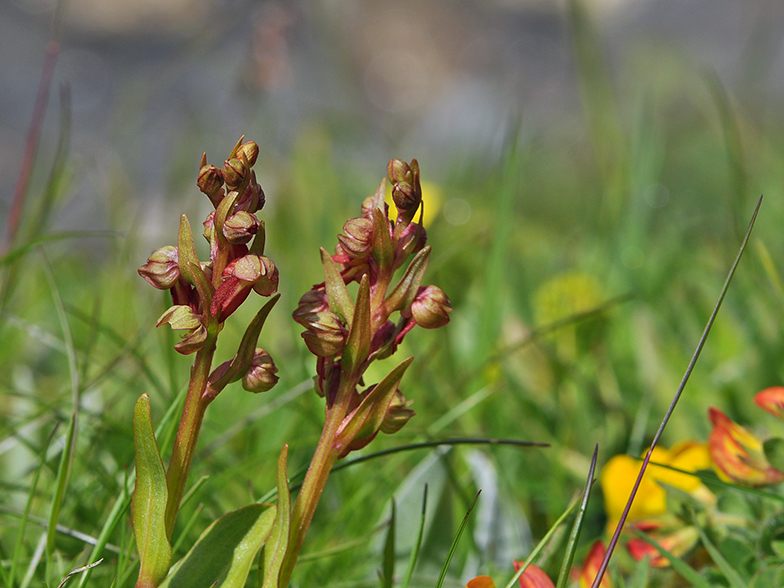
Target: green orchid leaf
(382, 249)
(366, 419)
(276, 546)
(337, 294)
(406, 289)
(224, 553)
(357, 347)
(186, 251)
(148, 511)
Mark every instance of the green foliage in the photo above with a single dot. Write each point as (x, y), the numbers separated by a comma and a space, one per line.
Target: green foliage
(640, 213)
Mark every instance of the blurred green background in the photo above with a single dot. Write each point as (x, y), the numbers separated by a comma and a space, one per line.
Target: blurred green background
(579, 156)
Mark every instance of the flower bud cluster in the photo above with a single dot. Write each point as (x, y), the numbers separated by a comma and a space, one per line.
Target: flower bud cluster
(205, 294)
(347, 335)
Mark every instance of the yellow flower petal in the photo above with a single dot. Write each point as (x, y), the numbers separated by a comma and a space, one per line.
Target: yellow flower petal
(617, 479)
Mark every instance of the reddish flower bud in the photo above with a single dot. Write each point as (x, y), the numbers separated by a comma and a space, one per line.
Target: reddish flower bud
(210, 182)
(431, 308)
(325, 335)
(359, 237)
(313, 301)
(249, 271)
(261, 377)
(398, 414)
(412, 239)
(406, 188)
(162, 269)
(234, 172)
(252, 199)
(183, 318)
(240, 227)
(251, 151)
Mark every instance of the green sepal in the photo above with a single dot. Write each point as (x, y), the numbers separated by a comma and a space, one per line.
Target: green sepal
(357, 347)
(382, 249)
(186, 252)
(405, 291)
(278, 542)
(148, 510)
(236, 147)
(203, 286)
(366, 419)
(260, 240)
(223, 211)
(242, 360)
(337, 293)
(224, 553)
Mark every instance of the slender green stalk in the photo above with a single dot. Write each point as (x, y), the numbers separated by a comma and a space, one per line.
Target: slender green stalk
(316, 478)
(188, 431)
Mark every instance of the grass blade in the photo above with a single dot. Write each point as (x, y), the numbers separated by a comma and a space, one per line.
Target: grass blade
(678, 393)
(415, 552)
(453, 548)
(388, 569)
(540, 546)
(726, 568)
(571, 546)
(28, 506)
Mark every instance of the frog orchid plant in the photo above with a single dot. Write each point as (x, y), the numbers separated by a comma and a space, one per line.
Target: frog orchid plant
(345, 332)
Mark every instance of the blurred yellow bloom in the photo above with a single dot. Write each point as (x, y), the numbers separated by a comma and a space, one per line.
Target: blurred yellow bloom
(619, 474)
(432, 197)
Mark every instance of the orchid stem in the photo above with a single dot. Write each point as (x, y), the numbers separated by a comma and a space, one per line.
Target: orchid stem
(188, 432)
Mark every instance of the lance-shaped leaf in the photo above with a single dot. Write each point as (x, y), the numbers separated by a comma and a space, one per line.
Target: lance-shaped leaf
(278, 542)
(365, 420)
(405, 291)
(224, 553)
(337, 293)
(148, 511)
(242, 360)
(357, 346)
(260, 240)
(186, 250)
(382, 251)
